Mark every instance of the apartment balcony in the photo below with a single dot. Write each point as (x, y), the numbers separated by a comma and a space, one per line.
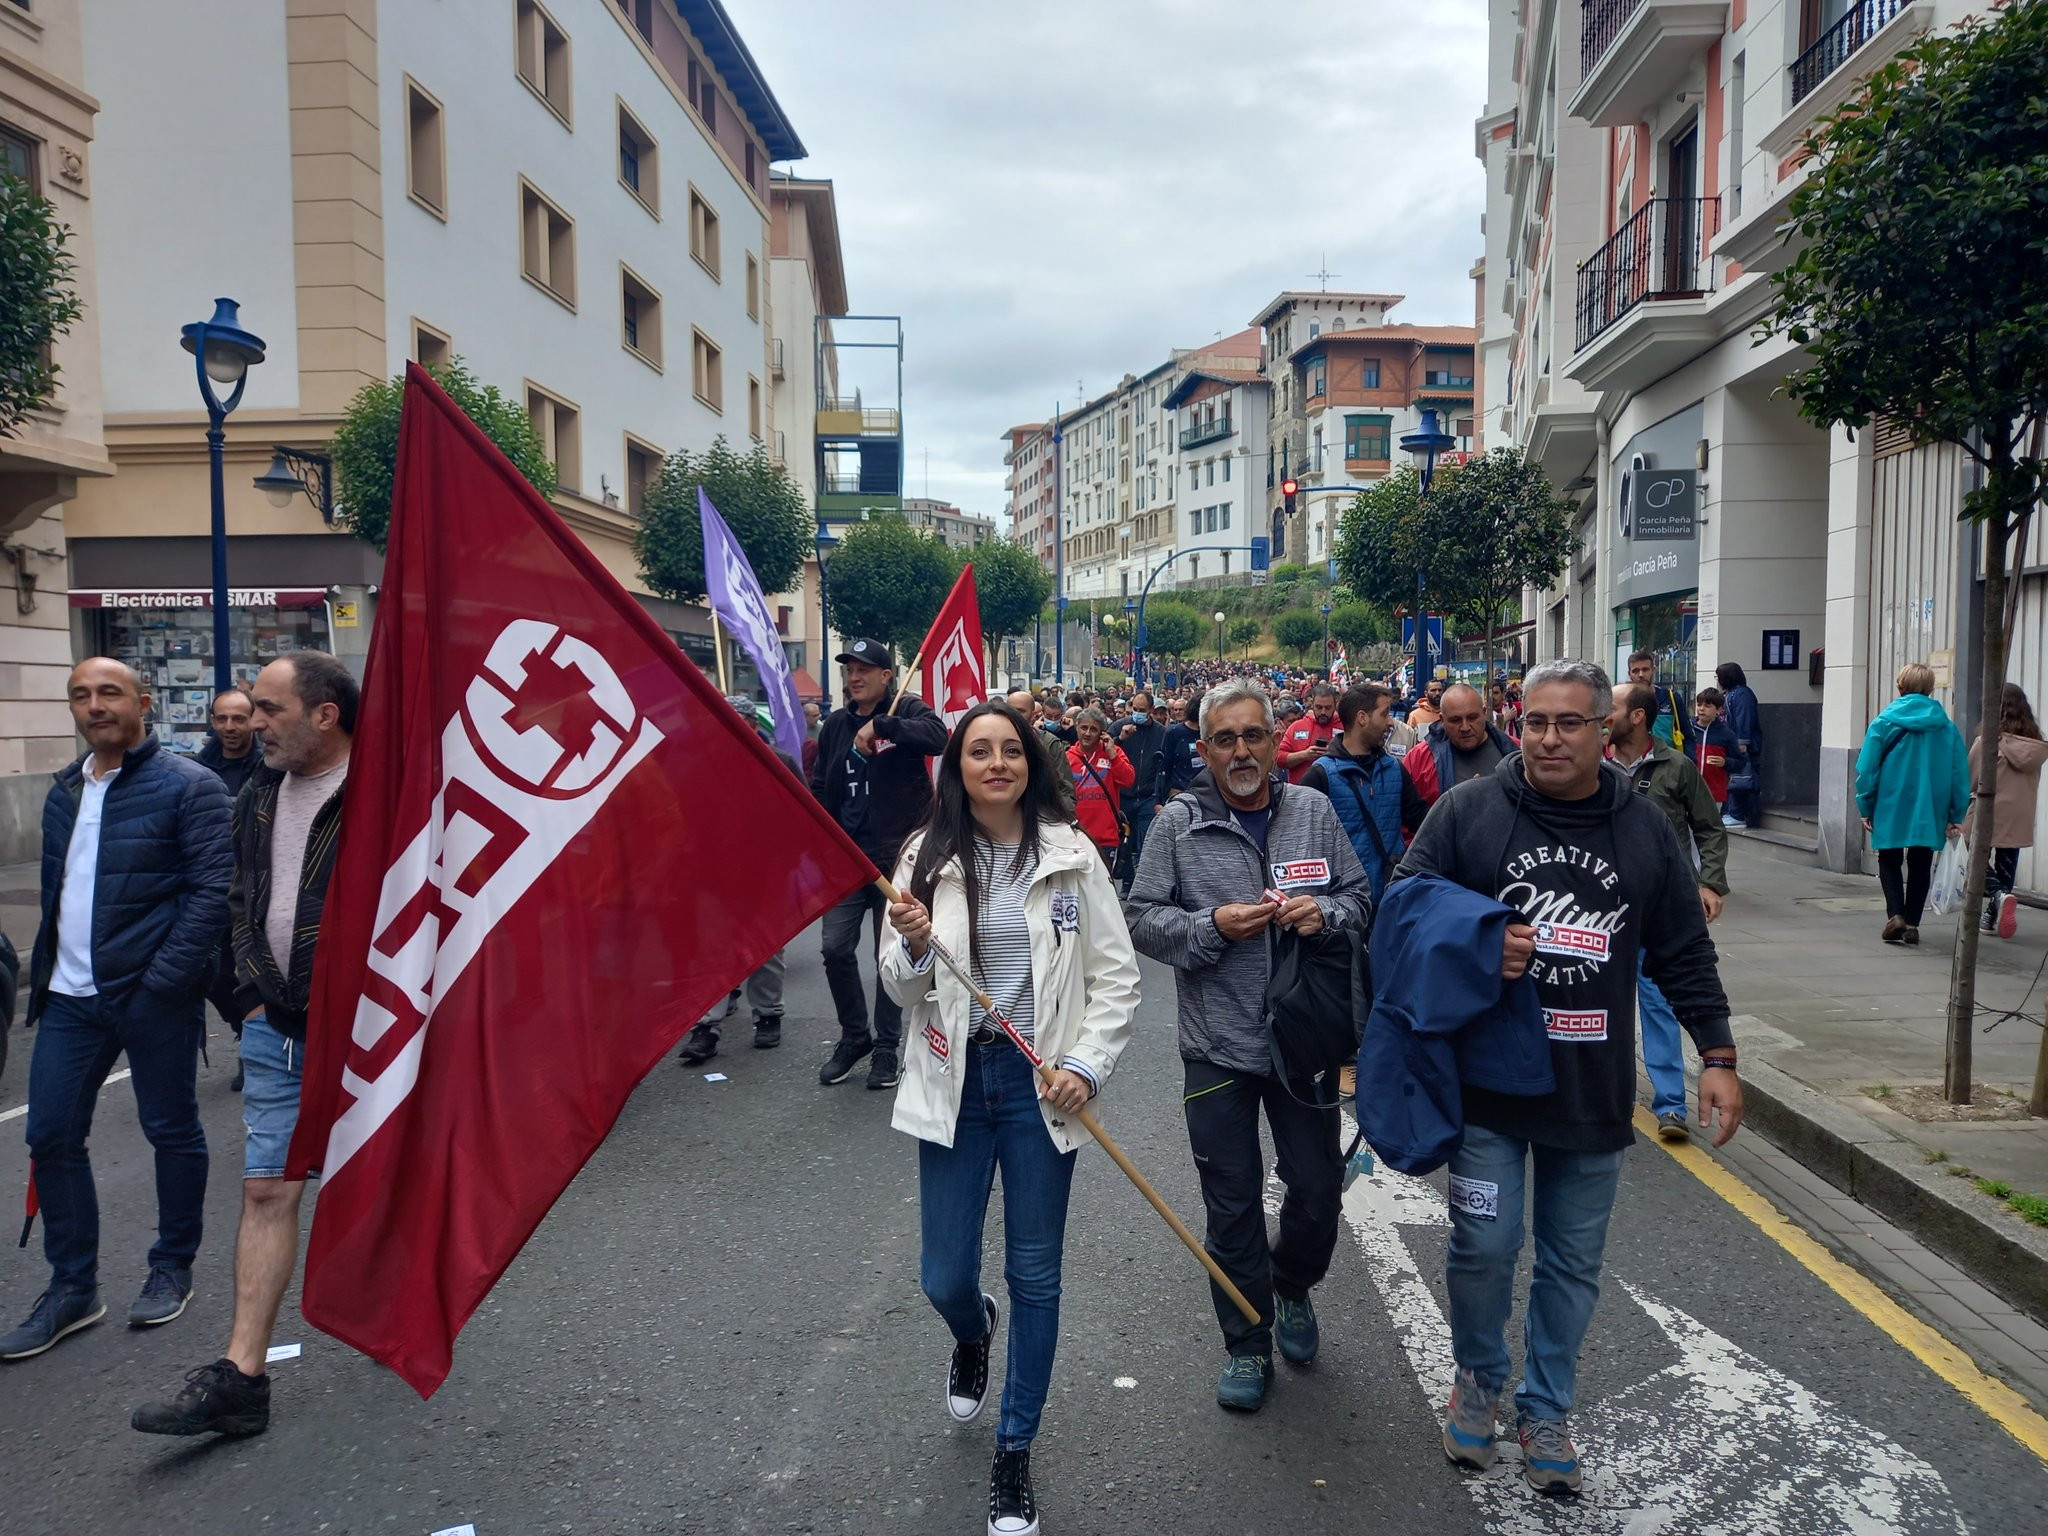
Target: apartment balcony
(1833, 67)
(1632, 52)
(1563, 436)
(848, 417)
(1643, 296)
(1205, 432)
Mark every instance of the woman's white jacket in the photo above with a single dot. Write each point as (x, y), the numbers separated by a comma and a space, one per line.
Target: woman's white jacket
(1084, 984)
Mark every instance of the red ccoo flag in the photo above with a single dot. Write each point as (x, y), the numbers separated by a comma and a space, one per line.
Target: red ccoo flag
(560, 846)
(955, 679)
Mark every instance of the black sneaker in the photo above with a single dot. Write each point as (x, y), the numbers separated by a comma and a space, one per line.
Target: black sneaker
(845, 1057)
(164, 1296)
(216, 1399)
(1011, 1509)
(883, 1071)
(55, 1314)
(967, 1377)
(699, 1046)
(768, 1033)
(236, 1085)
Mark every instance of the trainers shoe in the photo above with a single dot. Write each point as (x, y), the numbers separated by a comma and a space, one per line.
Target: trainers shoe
(2008, 915)
(967, 1376)
(1733, 821)
(1470, 1427)
(845, 1057)
(163, 1298)
(883, 1070)
(1671, 1126)
(55, 1314)
(1011, 1509)
(1242, 1386)
(699, 1046)
(216, 1399)
(1550, 1461)
(768, 1033)
(1987, 920)
(1347, 1083)
(1294, 1329)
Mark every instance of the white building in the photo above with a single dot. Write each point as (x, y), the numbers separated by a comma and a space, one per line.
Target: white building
(947, 523)
(1219, 430)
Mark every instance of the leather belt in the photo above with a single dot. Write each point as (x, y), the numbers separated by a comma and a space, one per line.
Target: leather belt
(984, 1034)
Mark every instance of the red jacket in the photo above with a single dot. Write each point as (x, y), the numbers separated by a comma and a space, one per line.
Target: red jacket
(1304, 733)
(1095, 804)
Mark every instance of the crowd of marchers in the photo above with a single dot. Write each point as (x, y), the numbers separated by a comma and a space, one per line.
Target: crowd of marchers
(1449, 909)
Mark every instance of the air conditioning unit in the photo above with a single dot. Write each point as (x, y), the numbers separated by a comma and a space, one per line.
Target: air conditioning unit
(775, 368)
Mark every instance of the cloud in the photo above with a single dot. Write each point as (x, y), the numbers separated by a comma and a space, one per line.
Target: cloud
(1059, 194)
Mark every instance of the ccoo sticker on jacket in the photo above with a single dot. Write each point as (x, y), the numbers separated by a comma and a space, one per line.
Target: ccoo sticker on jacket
(1292, 877)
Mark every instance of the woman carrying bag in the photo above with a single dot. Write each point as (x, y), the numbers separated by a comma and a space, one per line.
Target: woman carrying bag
(1912, 791)
(1019, 894)
(1102, 772)
(2021, 754)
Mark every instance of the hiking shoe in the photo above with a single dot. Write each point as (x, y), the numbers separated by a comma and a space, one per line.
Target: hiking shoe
(699, 1046)
(1909, 935)
(1242, 1386)
(967, 1376)
(768, 1033)
(1011, 1509)
(216, 1399)
(1294, 1329)
(883, 1070)
(1671, 1126)
(163, 1298)
(845, 1057)
(1894, 930)
(55, 1314)
(2008, 915)
(1470, 1427)
(1550, 1461)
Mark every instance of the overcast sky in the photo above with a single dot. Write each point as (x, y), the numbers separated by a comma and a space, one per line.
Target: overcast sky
(1064, 191)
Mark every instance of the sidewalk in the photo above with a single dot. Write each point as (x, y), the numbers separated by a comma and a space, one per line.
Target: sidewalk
(1842, 1041)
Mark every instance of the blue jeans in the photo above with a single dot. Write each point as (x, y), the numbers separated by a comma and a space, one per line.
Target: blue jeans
(77, 1044)
(1139, 815)
(1663, 1056)
(1574, 1197)
(999, 1127)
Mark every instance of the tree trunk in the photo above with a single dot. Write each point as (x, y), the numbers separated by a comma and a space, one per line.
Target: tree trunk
(1962, 1004)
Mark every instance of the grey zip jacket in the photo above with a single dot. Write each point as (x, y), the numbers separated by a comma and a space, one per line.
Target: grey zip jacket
(1197, 858)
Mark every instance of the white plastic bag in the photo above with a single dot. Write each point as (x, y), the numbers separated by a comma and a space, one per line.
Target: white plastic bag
(1951, 866)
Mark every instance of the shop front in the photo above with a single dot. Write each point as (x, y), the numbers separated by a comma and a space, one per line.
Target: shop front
(1655, 591)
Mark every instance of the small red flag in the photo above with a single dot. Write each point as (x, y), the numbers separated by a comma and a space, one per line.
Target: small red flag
(559, 847)
(955, 678)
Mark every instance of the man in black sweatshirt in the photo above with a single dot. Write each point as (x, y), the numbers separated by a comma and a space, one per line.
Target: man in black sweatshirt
(1597, 871)
(873, 774)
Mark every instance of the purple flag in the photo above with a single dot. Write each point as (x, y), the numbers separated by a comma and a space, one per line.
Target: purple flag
(735, 596)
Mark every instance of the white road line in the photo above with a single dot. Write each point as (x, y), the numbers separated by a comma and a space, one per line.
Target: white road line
(21, 1109)
(1718, 1442)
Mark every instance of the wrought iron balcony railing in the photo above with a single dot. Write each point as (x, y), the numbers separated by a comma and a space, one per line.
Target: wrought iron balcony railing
(1831, 50)
(1600, 23)
(1660, 253)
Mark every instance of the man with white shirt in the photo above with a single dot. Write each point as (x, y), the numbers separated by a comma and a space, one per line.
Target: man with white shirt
(135, 871)
(287, 834)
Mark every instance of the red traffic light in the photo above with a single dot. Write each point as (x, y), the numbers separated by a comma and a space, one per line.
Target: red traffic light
(1289, 487)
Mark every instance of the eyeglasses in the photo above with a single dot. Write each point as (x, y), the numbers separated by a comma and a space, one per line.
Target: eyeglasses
(1255, 738)
(1567, 725)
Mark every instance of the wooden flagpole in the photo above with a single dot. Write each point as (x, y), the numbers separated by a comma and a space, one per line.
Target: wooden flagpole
(1087, 1119)
(908, 672)
(718, 649)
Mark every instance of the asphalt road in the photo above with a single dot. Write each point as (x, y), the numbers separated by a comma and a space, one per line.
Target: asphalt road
(718, 1330)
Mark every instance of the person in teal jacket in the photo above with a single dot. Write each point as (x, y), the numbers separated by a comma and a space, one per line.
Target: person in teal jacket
(1912, 791)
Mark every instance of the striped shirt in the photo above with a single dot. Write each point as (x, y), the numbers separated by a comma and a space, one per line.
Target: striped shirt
(1004, 938)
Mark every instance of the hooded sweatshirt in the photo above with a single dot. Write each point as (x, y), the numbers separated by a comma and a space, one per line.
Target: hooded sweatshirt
(1913, 775)
(1602, 881)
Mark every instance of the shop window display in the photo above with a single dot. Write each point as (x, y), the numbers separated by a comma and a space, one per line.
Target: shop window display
(171, 649)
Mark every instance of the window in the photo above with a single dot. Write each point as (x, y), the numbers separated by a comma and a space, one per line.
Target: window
(547, 244)
(750, 162)
(1447, 372)
(1226, 471)
(1195, 521)
(431, 348)
(1210, 464)
(559, 426)
(643, 468)
(1368, 437)
(1226, 524)
(753, 287)
(18, 155)
(754, 407)
(426, 152)
(1316, 379)
(707, 370)
(1315, 329)
(639, 318)
(1369, 373)
(703, 233)
(543, 55)
(639, 164)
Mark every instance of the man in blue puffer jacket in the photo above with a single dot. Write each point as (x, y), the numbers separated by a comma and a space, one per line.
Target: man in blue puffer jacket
(136, 864)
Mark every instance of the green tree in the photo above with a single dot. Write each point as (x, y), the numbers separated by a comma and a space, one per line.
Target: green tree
(365, 445)
(1173, 629)
(1011, 587)
(759, 501)
(1243, 632)
(1358, 625)
(37, 301)
(887, 579)
(1919, 291)
(1297, 630)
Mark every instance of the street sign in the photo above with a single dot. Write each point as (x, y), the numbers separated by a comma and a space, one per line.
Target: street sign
(1261, 553)
(1259, 578)
(1432, 641)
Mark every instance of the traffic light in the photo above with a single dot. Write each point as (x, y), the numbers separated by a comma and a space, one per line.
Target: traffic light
(1289, 489)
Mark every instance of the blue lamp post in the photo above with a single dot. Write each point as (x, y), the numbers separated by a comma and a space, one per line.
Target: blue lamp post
(222, 353)
(1423, 445)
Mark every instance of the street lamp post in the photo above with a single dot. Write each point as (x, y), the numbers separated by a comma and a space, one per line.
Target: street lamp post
(1423, 445)
(1059, 556)
(1220, 616)
(222, 353)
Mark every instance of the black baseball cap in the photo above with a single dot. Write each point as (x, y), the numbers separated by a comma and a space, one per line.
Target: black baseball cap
(872, 652)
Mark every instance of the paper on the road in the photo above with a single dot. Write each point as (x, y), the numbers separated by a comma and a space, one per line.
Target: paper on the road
(714, 1077)
(279, 1352)
(457, 1530)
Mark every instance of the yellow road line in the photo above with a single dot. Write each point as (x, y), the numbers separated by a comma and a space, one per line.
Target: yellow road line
(2011, 1412)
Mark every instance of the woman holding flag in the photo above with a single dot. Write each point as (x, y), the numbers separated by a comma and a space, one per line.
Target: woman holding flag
(1001, 877)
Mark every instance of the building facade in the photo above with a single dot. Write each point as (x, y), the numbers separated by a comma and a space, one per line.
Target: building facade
(947, 523)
